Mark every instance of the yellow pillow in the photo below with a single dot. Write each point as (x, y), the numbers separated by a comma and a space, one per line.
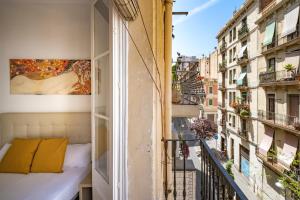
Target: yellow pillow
(50, 156)
(19, 156)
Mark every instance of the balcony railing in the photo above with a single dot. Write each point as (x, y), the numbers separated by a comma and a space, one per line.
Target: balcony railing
(243, 133)
(281, 41)
(280, 120)
(221, 86)
(244, 59)
(215, 182)
(222, 66)
(278, 76)
(223, 46)
(243, 32)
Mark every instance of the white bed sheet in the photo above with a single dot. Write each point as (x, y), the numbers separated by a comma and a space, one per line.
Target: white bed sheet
(42, 186)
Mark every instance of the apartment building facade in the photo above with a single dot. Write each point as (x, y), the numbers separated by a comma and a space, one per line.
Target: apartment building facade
(259, 51)
(208, 66)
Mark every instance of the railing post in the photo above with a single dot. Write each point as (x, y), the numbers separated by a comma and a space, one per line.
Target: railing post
(166, 169)
(174, 169)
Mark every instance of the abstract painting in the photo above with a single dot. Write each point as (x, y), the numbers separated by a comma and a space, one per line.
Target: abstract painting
(50, 76)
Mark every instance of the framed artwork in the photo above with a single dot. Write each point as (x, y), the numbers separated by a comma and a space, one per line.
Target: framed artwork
(50, 76)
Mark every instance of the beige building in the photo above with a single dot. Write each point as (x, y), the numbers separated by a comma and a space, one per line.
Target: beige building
(208, 67)
(259, 92)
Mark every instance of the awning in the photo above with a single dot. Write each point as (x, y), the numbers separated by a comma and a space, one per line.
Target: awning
(290, 22)
(241, 79)
(289, 150)
(269, 34)
(266, 141)
(128, 9)
(242, 51)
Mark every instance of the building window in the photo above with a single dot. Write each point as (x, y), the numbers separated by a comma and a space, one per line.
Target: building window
(230, 77)
(230, 98)
(234, 33)
(233, 96)
(230, 36)
(234, 54)
(230, 55)
(233, 121)
(271, 65)
(234, 76)
(210, 102)
(210, 90)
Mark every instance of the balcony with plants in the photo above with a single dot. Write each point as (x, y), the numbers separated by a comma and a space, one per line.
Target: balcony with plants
(290, 179)
(223, 46)
(222, 66)
(281, 121)
(241, 108)
(289, 76)
(243, 31)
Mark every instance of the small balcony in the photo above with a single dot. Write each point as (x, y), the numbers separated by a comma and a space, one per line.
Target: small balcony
(277, 78)
(222, 66)
(243, 133)
(221, 87)
(281, 121)
(242, 109)
(213, 181)
(243, 32)
(223, 46)
(244, 86)
(281, 42)
(243, 60)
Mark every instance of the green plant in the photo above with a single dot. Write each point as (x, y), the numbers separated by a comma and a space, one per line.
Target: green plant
(296, 161)
(272, 154)
(289, 67)
(228, 167)
(290, 182)
(244, 113)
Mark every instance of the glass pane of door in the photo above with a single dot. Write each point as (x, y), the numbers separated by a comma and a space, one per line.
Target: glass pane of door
(102, 131)
(101, 27)
(102, 86)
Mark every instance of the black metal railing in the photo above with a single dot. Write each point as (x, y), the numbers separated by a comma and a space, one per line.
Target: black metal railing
(243, 59)
(222, 66)
(215, 183)
(243, 133)
(273, 76)
(280, 40)
(223, 46)
(279, 119)
(244, 30)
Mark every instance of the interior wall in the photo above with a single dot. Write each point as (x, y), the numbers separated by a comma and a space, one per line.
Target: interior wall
(46, 31)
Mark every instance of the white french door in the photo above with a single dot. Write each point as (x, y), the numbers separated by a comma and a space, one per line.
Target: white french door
(109, 102)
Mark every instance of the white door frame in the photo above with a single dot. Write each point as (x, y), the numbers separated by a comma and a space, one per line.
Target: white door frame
(119, 126)
(120, 106)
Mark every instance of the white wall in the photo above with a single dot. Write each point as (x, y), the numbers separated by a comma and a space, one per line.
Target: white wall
(42, 30)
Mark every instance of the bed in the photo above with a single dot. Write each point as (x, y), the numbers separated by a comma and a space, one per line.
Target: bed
(47, 186)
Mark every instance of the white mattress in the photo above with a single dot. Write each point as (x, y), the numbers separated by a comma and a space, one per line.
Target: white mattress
(42, 186)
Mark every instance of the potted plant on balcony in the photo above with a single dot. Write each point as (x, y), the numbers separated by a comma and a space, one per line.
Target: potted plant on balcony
(244, 113)
(290, 68)
(272, 155)
(228, 167)
(289, 182)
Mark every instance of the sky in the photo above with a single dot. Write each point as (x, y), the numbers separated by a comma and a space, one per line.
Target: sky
(196, 33)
